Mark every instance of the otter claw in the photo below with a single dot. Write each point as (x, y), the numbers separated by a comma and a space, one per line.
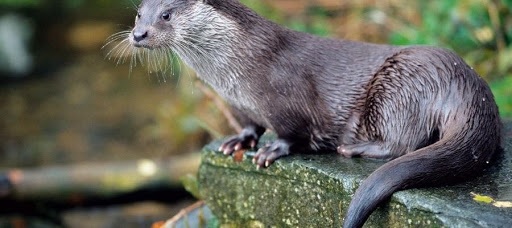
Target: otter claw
(253, 144)
(238, 146)
(271, 152)
(248, 138)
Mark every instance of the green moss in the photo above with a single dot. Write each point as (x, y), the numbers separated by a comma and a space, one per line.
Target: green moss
(315, 190)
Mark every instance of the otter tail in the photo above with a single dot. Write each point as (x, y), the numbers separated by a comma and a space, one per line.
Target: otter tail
(451, 159)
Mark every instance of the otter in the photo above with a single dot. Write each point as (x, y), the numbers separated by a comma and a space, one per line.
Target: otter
(422, 108)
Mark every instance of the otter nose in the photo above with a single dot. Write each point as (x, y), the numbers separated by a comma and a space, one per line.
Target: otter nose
(138, 36)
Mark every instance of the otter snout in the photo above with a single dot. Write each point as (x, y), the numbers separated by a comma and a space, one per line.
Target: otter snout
(139, 36)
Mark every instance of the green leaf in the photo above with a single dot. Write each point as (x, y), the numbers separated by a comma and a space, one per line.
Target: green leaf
(482, 198)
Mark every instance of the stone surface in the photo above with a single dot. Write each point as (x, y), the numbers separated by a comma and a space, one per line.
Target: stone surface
(314, 191)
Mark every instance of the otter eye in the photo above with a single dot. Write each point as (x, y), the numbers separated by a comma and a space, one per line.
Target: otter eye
(166, 16)
(138, 15)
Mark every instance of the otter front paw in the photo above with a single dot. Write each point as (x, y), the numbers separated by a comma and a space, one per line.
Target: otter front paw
(268, 154)
(248, 138)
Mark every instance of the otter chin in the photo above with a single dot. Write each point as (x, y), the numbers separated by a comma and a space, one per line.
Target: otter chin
(422, 108)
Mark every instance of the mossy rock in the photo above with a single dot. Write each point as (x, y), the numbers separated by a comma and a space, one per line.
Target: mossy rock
(314, 190)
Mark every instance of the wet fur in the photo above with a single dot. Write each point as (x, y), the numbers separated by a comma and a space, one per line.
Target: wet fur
(422, 108)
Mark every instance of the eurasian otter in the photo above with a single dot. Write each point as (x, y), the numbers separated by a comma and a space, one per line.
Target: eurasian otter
(421, 107)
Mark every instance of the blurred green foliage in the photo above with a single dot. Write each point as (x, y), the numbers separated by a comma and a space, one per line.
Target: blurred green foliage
(502, 89)
(314, 21)
(20, 3)
(480, 32)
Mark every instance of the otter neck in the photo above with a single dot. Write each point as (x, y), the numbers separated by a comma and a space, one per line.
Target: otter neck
(222, 51)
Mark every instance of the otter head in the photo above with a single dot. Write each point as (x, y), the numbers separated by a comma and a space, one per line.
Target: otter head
(203, 33)
(179, 24)
(200, 32)
(156, 21)
(208, 35)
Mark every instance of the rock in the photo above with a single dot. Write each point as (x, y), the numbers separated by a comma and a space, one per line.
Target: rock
(315, 190)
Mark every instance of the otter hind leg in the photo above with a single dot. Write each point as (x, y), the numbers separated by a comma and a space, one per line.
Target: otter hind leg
(394, 118)
(366, 149)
